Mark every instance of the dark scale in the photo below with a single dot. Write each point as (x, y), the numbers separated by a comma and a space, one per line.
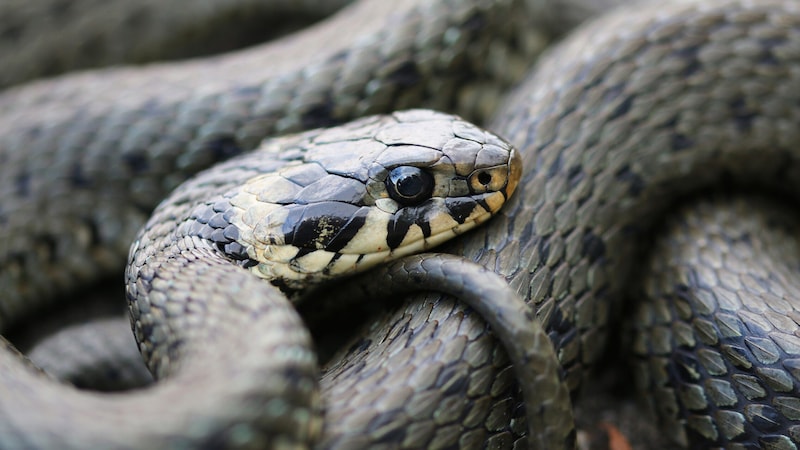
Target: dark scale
(78, 178)
(136, 162)
(593, 247)
(22, 184)
(635, 182)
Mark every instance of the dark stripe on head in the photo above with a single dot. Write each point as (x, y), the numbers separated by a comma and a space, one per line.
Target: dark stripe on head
(460, 207)
(398, 226)
(402, 220)
(348, 230)
(482, 201)
(309, 226)
(425, 226)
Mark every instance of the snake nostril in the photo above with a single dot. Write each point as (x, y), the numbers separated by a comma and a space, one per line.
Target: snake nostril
(484, 178)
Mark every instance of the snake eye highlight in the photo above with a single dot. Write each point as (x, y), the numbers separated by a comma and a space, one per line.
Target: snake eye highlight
(409, 185)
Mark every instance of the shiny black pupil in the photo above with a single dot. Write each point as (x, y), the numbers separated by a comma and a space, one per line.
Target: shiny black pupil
(409, 185)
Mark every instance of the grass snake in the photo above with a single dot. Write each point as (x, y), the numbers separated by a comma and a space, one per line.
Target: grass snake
(628, 115)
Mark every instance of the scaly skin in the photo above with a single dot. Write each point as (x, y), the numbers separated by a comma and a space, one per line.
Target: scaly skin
(630, 113)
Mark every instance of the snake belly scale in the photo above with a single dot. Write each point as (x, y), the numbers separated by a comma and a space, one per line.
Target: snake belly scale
(632, 111)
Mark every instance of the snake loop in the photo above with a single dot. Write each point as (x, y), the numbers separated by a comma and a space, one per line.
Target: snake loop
(631, 113)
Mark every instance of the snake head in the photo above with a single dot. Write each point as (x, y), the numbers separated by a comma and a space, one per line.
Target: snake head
(371, 191)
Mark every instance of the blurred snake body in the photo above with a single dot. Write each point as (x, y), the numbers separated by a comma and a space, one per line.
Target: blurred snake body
(634, 110)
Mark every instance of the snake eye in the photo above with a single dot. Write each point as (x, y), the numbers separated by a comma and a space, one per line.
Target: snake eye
(409, 185)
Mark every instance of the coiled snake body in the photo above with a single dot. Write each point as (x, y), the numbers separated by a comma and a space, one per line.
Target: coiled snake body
(631, 112)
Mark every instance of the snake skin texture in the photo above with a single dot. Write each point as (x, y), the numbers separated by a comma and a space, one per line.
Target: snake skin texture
(102, 33)
(717, 330)
(630, 114)
(62, 143)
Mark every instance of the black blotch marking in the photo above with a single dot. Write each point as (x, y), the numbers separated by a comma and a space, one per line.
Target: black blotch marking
(689, 54)
(306, 226)
(544, 250)
(593, 247)
(635, 182)
(460, 207)
(223, 147)
(406, 75)
(22, 184)
(575, 175)
(136, 162)
(680, 142)
(556, 167)
(621, 109)
(742, 115)
(78, 178)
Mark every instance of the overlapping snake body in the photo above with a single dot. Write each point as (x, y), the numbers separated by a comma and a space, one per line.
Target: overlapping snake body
(631, 112)
(285, 213)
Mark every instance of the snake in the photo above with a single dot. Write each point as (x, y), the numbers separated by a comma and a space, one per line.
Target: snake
(630, 113)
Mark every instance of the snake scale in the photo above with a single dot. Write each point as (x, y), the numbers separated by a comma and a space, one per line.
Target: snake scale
(629, 115)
